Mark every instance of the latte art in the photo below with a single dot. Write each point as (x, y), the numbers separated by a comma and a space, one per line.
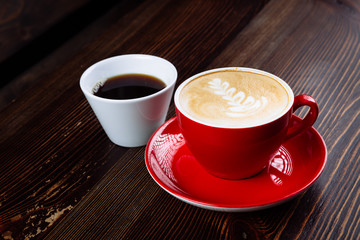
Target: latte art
(241, 105)
(234, 98)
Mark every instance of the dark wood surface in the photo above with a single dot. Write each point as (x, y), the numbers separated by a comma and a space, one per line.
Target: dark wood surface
(62, 178)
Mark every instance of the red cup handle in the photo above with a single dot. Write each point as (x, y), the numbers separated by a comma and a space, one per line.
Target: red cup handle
(297, 127)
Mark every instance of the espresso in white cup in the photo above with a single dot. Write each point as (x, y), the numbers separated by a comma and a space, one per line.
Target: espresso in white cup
(130, 122)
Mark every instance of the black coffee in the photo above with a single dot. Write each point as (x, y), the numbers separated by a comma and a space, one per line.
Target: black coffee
(129, 86)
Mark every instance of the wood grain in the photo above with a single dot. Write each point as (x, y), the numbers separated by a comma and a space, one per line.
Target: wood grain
(31, 31)
(21, 22)
(61, 178)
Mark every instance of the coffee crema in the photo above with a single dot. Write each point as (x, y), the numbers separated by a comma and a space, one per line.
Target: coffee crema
(234, 98)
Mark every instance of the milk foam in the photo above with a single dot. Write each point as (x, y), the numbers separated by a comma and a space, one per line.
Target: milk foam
(241, 106)
(234, 98)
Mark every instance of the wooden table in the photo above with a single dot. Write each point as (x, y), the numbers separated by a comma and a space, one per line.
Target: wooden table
(62, 178)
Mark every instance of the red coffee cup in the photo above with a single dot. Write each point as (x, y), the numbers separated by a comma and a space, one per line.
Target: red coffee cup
(232, 151)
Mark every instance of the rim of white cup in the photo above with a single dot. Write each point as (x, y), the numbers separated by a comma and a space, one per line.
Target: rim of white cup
(107, 60)
(243, 69)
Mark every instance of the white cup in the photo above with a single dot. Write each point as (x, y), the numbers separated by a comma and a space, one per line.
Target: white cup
(131, 122)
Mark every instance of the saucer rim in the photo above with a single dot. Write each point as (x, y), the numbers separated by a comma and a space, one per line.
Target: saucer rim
(223, 207)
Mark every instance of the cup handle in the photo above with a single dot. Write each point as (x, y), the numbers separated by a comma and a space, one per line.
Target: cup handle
(297, 127)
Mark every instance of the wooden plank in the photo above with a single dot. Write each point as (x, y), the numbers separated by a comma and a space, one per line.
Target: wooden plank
(31, 30)
(22, 21)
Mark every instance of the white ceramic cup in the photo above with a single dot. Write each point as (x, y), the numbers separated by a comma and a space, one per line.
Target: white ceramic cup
(131, 122)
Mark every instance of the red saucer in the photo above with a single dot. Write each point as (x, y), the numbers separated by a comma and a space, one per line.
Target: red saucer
(299, 162)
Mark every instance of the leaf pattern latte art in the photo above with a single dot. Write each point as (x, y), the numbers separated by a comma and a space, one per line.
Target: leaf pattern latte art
(240, 105)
